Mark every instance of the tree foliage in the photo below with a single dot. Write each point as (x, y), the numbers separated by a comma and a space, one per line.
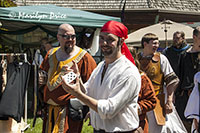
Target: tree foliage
(7, 3)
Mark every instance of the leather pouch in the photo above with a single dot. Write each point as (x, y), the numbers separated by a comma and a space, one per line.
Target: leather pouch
(77, 111)
(159, 109)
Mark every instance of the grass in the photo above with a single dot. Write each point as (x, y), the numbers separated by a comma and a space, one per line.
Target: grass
(86, 128)
(38, 126)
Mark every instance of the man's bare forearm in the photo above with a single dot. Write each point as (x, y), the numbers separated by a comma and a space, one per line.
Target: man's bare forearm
(170, 90)
(89, 101)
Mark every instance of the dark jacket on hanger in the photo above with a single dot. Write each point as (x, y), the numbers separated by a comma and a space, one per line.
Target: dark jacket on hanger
(12, 100)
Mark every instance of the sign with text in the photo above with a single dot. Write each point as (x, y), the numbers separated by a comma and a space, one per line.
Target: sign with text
(37, 15)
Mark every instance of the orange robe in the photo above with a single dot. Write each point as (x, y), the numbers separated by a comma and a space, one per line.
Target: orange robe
(146, 100)
(55, 96)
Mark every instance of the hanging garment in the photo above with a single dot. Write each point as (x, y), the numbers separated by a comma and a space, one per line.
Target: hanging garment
(1, 81)
(12, 100)
(4, 73)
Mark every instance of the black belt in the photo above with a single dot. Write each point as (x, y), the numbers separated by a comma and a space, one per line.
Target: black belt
(103, 131)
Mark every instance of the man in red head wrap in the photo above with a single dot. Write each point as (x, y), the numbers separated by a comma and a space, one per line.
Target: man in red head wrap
(121, 31)
(113, 88)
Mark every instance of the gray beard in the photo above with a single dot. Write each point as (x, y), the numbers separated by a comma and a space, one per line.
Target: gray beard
(68, 50)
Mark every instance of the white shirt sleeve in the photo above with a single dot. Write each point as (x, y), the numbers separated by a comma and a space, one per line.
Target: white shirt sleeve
(165, 65)
(192, 107)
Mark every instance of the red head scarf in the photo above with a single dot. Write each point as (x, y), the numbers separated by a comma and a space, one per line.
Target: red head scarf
(121, 31)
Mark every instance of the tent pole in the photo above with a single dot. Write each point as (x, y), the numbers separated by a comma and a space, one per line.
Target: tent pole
(165, 30)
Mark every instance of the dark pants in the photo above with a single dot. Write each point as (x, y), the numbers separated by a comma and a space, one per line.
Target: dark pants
(180, 103)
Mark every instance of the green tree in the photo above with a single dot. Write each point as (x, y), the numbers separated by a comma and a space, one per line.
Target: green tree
(7, 3)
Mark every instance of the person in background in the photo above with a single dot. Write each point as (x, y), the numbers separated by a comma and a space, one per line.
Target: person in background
(113, 88)
(192, 108)
(160, 72)
(45, 46)
(38, 104)
(147, 98)
(147, 101)
(189, 65)
(56, 98)
(86, 42)
(174, 52)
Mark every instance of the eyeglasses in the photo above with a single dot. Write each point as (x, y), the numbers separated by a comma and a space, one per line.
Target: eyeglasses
(67, 37)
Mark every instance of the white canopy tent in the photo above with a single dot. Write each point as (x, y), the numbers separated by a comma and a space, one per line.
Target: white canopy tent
(164, 30)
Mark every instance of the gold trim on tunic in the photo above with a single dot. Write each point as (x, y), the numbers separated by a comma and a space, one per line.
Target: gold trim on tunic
(56, 70)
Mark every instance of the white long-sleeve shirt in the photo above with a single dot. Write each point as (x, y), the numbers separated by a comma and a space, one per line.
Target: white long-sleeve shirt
(117, 96)
(192, 108)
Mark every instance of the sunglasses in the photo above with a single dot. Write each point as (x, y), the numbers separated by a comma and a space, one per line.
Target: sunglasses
(67, 37)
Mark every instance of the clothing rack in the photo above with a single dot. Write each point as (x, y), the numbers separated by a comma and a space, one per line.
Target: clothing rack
(15, 54)
(25, 124)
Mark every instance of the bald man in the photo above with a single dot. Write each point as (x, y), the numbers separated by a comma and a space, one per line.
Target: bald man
(56, 98)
